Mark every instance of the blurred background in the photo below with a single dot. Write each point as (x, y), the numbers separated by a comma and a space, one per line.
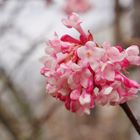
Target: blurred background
(26, 111)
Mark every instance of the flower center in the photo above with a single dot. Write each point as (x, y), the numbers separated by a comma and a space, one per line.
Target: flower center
(88, 54)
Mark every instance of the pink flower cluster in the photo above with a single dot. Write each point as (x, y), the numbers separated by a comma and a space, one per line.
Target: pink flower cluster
(77, 6)
(81, 73)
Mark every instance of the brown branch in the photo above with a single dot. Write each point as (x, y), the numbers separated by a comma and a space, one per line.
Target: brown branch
(131, 117)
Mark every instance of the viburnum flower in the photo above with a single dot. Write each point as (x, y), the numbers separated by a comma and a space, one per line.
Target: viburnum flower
(77, 6)
(81, 73)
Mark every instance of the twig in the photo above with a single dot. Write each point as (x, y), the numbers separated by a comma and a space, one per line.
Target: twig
(131, 117)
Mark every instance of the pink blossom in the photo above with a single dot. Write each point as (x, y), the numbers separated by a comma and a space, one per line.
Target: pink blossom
(77, 6)
(132, 55)
(73, 21)
(81, 73)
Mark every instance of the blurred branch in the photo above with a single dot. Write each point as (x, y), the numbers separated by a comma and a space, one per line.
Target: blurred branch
(35, 123)
(33, 47)
(49, 2)
(25, 107)
(28, 53)
(132, 41)
(17, 93)
(43, 119)
(10, 122)
(2, 3)
(49, 114)
(13, 15)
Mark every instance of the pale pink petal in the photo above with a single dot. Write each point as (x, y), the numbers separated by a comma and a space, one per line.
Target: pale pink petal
(108, 72)
(63, 91)
(98, 53)
(77, 6)
(132, 55)
(135, 60)
(90, 52)
(82, 52)
(49, 62)
(72, 21)
(85, 99)
(74, 66)
(106, 45)
(94, 65)
(115, 55)
(132, 50)
(127, 82)
(75, 94)
(96, 91)
(85, 78)
(51, 89)
(61, 56)
(90, 44)
(95, 52)
(108, 90)
(87, 111)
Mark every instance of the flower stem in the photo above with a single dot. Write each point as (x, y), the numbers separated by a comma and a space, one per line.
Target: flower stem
(131, 117)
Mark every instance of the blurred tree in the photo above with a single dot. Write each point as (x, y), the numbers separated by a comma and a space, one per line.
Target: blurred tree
(117, 27)
(136, 19)
(135, 39)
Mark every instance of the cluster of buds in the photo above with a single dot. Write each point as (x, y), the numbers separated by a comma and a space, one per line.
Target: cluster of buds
(77, 6)
(81, 73)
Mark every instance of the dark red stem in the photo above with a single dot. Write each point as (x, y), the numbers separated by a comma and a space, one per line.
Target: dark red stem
(130, 115)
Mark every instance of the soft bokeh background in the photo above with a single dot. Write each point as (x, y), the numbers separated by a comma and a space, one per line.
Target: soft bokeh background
(26, 111)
